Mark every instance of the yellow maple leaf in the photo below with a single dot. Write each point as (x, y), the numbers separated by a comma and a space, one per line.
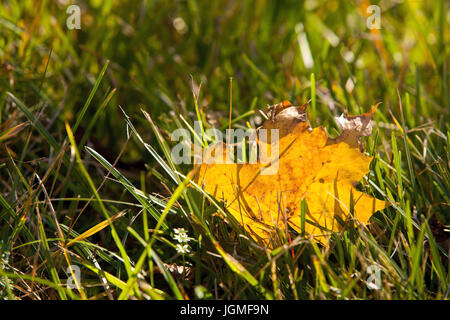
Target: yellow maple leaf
(311, 166)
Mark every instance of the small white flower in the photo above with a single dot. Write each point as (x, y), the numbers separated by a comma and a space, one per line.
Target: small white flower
(181, 235)
(178, 238)
(182, 238)
(179, 230)
(182, 248)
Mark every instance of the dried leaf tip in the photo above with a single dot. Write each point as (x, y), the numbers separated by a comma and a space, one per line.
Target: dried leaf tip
(285, 117)
(360, 125)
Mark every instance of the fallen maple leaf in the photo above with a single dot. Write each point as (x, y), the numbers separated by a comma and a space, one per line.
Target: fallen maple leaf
(311, 166)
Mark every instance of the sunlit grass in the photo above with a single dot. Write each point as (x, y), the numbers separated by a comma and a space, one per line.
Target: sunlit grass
(87, 176)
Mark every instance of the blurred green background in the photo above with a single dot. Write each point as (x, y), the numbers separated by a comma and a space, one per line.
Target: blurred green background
(159, 50)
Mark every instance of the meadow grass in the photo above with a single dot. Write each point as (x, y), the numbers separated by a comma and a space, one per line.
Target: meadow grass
(88, 182)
